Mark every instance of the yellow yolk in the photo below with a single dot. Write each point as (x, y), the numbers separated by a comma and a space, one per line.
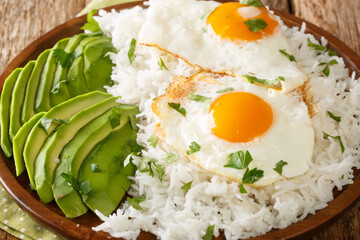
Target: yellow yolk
(240, 116)
(227, 22)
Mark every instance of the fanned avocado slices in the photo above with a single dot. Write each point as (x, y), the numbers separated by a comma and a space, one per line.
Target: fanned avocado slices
(63, 111)
(28, 108)
(48, 157)
(75, 152)
(6, 98)
(20, 140)
(18, 98)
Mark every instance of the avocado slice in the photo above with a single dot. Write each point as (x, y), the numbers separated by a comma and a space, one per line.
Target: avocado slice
(108, 185)
(76, 80)
(59, 91)
(42, 101)
(48, 156)
(6, 96)
(19, 142)
(18, 98)
(75, 152)
(65, 110)
(98, 65)
(28, 109)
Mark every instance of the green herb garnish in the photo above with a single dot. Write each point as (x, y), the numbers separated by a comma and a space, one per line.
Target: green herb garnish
(82, 187)
(229, 89)
(194, 147)
(171, 157)
(160, 171)
(338, 138)
(135, 202)
(153, 140)
(63, 58)
(239, 160)
(271, 83)
(46, 123)
(162, 64)
(326, 70)
(91, 24)
(198, 98)
(176, 106)
(145, 164)
(131, 51)
(242, 189)
(209, 232)
(253, 175)
(291, 57)
(256, 24)
(115, 117)
(320, 48)
(336, 118)
(279, 166)
(95, 167)
(186, 187)
(253, 3)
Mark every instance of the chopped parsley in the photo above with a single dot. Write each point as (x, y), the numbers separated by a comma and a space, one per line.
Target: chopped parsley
(204, 30)
(63, 58)
(82, 187)
(279, 166)
(198, 98)
(171, 157)
(253, 175)
(239, 160)
(186, 187)
(91, 24)
(336, 118)
(256, 24)
(145, 164)
(135, 202)
(209, 232)
(253, 3)
(46, 123)
(194, 147)
(160, 171)
(115, 117)
(162, 64)
(271, 83)
(153, 140)
(338, 138)
(176, 106)
(229, 89)
(95, 167)
(242, 189)
(291, 57)
(131, 51)
(326, 70)
(320, 48)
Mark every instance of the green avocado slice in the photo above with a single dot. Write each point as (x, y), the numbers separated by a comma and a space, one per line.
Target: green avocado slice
(18, 98)
(48, 157)
(98, 65)
(65, 110)
(28, 109)
(75, 152)
(19, 142)
(59, 91)
(76, 80)
(107, 185)
(6, 96)
(42, 101)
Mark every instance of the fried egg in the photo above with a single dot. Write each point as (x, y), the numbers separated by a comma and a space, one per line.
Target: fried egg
(211, 119)
(218, 38)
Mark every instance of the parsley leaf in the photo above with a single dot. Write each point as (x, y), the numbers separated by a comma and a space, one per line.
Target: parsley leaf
(336, 118)
(331, 53)
(135, 202)
(151, 173)
(95, 167)
(253, 3)
(91, 24)
(63, 58)
(271, 83)
(186, 187)
(131, 51)
(239, 160)
(256, 24)
(279, 166)
(253, 175)
(57, 87)
(115, 117)
(321, 48)
(160, 171)
(162, 64)
(199, 98)
(229, 89)
(176, 106)
(145, 164)
(83, 187)
(194, 147)
(291, 57)
(153, 140)
(46, 123)
(242, 188)
(338, 138)
(326, 70)
(171, 157)
(209, 232)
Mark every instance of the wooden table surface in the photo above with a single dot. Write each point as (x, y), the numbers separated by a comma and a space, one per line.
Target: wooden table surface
(23, 21)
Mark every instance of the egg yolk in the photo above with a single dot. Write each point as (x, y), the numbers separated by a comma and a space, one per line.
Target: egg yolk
(228, 21)
(240, 116)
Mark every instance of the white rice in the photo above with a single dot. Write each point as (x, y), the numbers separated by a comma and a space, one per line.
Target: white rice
(170, 212)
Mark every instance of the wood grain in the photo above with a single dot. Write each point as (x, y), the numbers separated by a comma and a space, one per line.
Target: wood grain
(24, 21)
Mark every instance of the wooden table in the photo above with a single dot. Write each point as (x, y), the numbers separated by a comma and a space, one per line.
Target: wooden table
(23, 21)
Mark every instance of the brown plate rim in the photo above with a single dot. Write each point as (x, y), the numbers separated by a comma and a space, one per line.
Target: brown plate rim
(71, 230)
